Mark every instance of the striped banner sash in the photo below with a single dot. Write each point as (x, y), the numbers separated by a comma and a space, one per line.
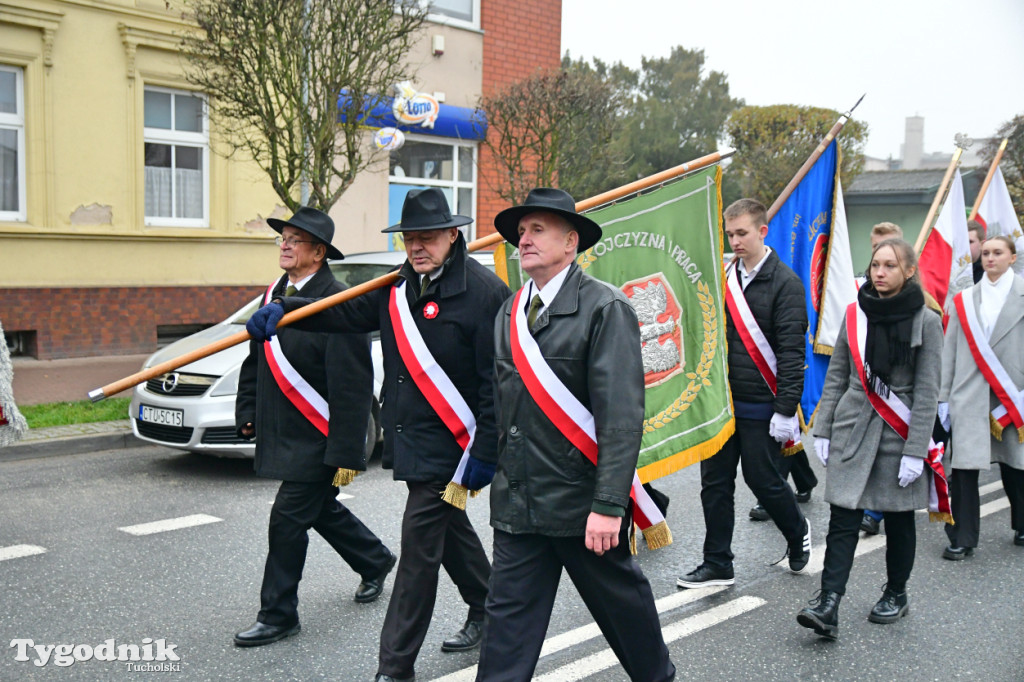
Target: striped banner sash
(1010, 408)
(574, 421)
(436, 387)
(896, 414)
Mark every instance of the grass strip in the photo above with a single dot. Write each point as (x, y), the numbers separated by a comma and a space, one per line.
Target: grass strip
(77, 412)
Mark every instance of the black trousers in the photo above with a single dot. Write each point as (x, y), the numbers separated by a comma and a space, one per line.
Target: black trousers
(797, 466)
(965, 503)
(527, 569)
(434, 534)
(756, 452)
(841, 544)
(1013, 484)
(297, 508)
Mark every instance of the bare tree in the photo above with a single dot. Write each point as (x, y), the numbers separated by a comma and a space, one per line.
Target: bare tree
(551, 129)
(288, 82)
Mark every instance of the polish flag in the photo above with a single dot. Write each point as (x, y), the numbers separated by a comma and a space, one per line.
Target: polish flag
(840, 281)
(945, 261)
(996, 213)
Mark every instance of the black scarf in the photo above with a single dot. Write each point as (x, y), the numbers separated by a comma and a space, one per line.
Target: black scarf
(890, 321)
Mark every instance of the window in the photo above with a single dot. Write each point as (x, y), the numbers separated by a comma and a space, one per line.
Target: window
(12, 144)
(177, 158)
(419, 164)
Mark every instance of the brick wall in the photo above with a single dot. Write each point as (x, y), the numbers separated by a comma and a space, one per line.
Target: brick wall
(520, 36)
(82, 322)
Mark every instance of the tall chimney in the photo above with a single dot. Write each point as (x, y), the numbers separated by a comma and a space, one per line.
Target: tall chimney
(913, 145)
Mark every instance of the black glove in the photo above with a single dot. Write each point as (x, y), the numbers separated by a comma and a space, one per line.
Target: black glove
(263, 323)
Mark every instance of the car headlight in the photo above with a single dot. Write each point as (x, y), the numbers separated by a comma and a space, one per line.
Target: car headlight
(228, 385)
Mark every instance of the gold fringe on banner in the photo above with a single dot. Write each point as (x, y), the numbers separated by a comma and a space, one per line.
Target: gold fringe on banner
(343, 477)
(632, 539)
(1020, 435)
(456, 495)
(681, 460)
(995, 429)
(657, 536)
(799, 447)
(944, 517)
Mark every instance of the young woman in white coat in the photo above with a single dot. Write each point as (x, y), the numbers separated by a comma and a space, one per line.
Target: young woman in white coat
(992, 311)
(870, 463)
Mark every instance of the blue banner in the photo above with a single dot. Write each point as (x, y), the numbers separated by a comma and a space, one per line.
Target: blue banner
(799, 233)
(461, 123)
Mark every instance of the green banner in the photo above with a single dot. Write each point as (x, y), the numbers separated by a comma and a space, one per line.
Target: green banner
(664, 250)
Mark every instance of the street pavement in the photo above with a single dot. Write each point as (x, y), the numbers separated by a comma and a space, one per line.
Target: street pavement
(84, 560)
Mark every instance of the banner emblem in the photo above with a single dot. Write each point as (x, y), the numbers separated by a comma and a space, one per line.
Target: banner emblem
(661, 336)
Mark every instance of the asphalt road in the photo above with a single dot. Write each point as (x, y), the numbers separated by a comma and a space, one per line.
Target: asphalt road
(71, 575)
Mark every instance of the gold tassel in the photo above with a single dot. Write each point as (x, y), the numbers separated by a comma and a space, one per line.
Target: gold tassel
(455, 495)
(1020, 434)
(657, 536)
(944, 517)
(632, 539)
(343, 477)
(995, 429)
(786, 452)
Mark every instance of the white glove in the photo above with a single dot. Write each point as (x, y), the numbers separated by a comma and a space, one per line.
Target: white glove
(821, 449)
(944, 415)
(783, 428)
(911, 469)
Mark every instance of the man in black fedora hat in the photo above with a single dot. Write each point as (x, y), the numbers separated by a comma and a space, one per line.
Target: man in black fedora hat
(437, 339)
(570, 396)
(307, 397)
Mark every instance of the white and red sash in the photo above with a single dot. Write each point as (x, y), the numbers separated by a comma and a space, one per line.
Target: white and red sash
(431, 379)
(573, 420)
(896, 414)
(754, 340)
(297, 390)
(1010, 409)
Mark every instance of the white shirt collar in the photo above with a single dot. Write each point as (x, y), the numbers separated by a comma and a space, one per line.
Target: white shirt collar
(746, 277)
(301, 283)
(550, 290)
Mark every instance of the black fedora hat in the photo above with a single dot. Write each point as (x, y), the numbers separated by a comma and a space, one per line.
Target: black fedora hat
(427, 209)
(316, 223)
(548, 200)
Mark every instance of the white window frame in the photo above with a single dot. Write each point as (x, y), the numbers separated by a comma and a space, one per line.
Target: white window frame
(439, 18)
(454, 184)
(178, 137)
(16, 122)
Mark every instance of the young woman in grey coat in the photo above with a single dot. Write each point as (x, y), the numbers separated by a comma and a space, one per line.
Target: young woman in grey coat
(868, 464)
(966, 399)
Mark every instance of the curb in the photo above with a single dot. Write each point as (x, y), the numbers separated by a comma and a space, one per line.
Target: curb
(69, 445)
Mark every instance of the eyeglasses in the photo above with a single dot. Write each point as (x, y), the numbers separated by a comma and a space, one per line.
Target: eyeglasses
(291, 241)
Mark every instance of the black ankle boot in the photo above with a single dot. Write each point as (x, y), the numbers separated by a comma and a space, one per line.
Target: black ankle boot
(822, 615)
(891, 607)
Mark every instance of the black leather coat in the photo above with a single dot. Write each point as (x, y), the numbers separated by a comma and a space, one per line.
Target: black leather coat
(338, 367)
(417, 444)
(591, 339)
(776, 298)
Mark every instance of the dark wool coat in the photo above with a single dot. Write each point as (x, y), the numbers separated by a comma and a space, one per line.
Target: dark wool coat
(590, 337)
(776, 299)
(417, 444)
(338, 367)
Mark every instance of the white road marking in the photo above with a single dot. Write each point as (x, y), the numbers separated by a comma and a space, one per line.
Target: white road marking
(602, 660)
(344, 496)
(170, 524)
(18, 551)
(990, 487)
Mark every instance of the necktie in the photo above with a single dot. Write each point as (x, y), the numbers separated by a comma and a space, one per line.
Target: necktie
(535, 305)
(424, 284)
(291, 290)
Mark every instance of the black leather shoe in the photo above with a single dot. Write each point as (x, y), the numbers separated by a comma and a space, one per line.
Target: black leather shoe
(465, 639)
(261, 633)
(803, 497)
(369, 590)
(822, 615)
(869, 525)
(954, 553)
(381, 677)
(758, 513)
(706, 575)
(890, 608)
(1018, 538)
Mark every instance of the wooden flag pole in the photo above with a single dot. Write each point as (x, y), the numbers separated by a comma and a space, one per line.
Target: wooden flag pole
(384, 280)
(940, 195)
(988, 178)
(809, 163)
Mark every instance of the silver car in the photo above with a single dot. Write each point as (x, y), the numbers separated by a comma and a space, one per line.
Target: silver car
(193, 407)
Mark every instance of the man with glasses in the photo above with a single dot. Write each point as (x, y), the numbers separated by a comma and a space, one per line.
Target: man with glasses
(307, 397)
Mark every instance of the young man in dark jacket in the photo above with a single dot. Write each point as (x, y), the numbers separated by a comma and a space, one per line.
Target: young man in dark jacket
(766, 322)
(303, 446)
(451, 300)
(551, 506)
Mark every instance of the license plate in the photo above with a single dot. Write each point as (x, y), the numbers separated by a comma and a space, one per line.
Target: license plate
(159, 415)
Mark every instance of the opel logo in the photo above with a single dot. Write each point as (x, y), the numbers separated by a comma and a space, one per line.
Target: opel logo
(170, 382)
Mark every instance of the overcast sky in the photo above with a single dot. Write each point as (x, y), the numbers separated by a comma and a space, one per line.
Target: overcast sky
(959, 64)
